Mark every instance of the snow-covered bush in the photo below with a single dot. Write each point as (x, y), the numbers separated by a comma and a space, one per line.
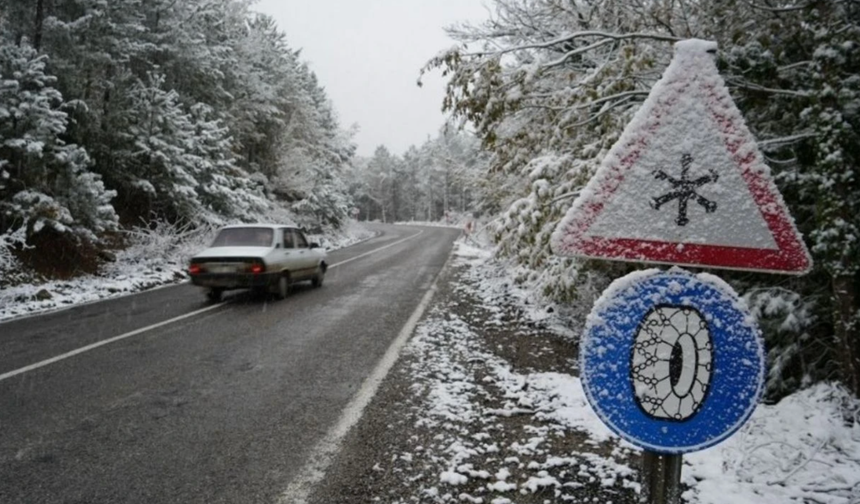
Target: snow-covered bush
(8, 243)
(795, 357)
(163, 241)
(804, 449)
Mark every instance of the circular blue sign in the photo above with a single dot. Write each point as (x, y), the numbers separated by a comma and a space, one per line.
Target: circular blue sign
(672, 362)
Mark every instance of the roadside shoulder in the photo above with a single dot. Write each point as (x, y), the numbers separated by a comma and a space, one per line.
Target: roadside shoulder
(481, 407)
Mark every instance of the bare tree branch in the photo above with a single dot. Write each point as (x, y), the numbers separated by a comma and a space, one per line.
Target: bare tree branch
(756, 87)
(790, 8)
(580, 35)
(618, 96)
(785, 140)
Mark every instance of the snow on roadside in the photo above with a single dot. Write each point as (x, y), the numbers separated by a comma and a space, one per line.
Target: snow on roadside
(154, 259)
(471, 395)
(805, 449)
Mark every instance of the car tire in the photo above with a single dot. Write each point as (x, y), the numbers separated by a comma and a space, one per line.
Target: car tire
(214, 295)
(318, 278)
(283, 286)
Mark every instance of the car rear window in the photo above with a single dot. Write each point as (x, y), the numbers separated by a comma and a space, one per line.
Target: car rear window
(244, 237)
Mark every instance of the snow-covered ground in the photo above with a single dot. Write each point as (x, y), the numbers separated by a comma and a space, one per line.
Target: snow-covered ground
(153, 259)
(805, 449)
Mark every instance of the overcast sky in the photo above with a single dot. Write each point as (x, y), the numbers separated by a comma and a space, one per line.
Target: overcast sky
(368, 54)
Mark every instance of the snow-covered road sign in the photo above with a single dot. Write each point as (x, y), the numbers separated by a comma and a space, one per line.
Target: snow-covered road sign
(685, 184)
(671, 361)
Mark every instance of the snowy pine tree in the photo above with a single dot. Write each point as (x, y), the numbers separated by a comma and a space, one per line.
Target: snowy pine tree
(44, 182)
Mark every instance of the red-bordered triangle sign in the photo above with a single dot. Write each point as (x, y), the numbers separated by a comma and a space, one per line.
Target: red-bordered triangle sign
(685, 184)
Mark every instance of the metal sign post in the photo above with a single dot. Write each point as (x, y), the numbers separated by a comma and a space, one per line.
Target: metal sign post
(661, 478)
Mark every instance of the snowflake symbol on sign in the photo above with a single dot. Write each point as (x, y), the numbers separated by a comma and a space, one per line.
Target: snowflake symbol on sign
(684, 190)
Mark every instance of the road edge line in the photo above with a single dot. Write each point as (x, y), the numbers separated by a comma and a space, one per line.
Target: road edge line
(322, 455)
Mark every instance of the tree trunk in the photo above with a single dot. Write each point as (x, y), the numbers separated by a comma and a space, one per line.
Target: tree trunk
(40, 18)
(445, 195)
(430, 202)
(847, 328)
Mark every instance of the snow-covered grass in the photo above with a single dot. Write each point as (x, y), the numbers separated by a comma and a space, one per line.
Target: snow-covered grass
(805, 449)
(155, 256)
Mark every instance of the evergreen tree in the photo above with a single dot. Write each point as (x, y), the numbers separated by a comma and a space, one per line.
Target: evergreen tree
(44, 182)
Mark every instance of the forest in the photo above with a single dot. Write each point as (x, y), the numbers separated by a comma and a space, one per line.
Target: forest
(121, 113)
(548, 86)
(125, 113)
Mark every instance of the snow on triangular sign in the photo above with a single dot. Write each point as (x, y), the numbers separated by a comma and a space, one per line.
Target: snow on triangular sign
(685, 184)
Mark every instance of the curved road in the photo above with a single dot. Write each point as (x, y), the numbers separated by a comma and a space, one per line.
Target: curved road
(118, 402)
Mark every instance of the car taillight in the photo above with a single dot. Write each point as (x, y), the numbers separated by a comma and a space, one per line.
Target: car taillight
(258, 268)
(194, 269)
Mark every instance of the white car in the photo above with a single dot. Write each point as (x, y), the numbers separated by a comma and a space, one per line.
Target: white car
(262, 257)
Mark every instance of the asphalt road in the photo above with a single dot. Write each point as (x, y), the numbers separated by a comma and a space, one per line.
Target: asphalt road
(225, 405)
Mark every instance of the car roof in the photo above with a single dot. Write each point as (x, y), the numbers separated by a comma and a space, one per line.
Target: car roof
(266, 226)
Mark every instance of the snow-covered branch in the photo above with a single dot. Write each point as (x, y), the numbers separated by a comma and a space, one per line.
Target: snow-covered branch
(607, 36)
(790, 8)
(620, 97)
(579, 50)
(799, 64)
(785, 140)
(567, 195)
(8, 242)
(755, 87)
(802, 464)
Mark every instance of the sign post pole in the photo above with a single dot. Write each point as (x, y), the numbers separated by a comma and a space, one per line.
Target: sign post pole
(661, 478)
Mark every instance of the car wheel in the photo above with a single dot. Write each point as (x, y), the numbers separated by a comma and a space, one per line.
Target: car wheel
(317, 280)
(214, 295)
(283, 286)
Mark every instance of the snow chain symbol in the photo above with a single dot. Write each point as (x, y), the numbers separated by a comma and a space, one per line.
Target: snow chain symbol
(684, 190)
(672, 362)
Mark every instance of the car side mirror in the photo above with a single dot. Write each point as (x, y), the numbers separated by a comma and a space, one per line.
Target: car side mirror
(315, 245)
(277, 245)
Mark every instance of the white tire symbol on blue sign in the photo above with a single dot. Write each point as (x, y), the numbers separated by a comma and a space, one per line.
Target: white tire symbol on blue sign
(672, 362)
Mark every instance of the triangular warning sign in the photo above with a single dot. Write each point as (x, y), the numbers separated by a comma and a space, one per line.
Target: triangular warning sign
(685, 184)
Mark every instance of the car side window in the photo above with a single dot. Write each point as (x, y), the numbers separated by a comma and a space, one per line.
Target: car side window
(300, 239)
(288, 239)
(262, 237)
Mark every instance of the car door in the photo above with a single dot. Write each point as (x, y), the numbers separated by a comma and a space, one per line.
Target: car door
(307, 259)
(289, 254)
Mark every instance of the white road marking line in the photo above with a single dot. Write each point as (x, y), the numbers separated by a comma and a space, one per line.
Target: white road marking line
(93, 346)
(323, 453)
(375, 250)
(108, 341)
